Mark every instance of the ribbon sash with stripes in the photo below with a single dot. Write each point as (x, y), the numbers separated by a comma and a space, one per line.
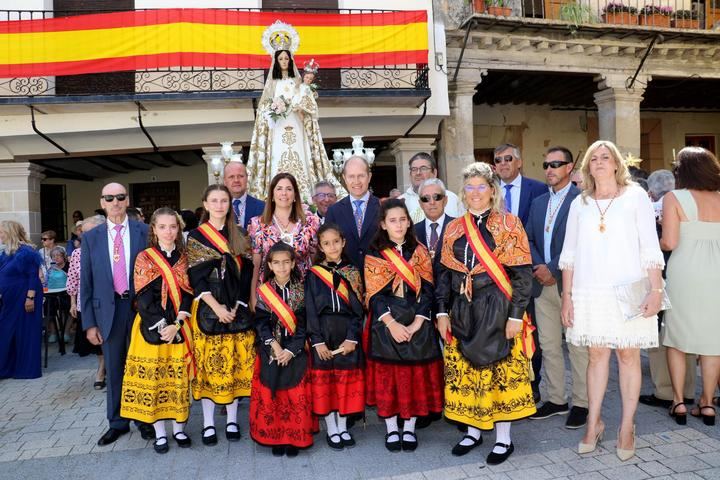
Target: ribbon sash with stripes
(278, 306)
(401, 267)
(213, 236)
(168, 275)
(327, 278)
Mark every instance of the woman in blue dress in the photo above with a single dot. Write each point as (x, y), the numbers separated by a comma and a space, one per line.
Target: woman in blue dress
(20, 304)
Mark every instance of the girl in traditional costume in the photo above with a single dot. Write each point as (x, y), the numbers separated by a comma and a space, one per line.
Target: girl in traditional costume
(281, 406)
(333, 290)
(220, 272)
(404, 374)
(156, 384)
(484, 286)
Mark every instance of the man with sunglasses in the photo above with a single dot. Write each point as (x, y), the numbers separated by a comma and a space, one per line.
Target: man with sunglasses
(424, 167)
(324, 196)
(546, 234)
(518, 191)
(106, 293)
(429, 231)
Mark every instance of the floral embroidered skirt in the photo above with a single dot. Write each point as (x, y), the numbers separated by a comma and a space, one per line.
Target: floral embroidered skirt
(156, 384)
(337, 390)
(479, 397)
(224, 365)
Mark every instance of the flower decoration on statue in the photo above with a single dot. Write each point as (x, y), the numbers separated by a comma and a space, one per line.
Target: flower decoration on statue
(310, 71)
(279, 108)
(280, 36)
(632, 161)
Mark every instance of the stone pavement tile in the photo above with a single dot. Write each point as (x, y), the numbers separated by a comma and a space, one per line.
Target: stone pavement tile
(53, 452)
(47, 442)
(560, 469)
(671, 436)
(562, 455)
(652, 439)
(532, 460)
(586, 465)
(648, 454)
(450, 473)
(710, 474)
(655, 469)
(503, 467)
(533, 473)
(492, 476)
(673, 450)
(711, 442)
(409, 476)
(711, 458)
(9, 456)
(685, 464)
(612, 460)
(474, 469)
(701, 446)
(82, 449)
(589, 476)
(28, 454)
(626, 472)
(691, 433)
(686, 476)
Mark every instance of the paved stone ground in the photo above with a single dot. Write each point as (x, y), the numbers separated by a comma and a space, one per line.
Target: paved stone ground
(49, 428)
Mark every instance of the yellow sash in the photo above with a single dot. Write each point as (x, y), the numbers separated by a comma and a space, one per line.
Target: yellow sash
(401, 267)
(213, 236)
(278, 306)
(327, 278)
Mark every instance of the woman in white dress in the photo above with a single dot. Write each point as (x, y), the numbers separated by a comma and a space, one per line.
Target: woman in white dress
(610, 241)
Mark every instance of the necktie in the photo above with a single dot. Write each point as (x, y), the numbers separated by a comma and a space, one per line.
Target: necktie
(433, 236)
(120, 281)
(239, 209)
(358, 214)
(508, 197)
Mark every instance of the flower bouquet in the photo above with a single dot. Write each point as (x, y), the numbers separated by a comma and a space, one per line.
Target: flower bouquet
(279, 108)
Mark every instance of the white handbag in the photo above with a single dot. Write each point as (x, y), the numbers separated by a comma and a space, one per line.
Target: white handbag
(631, 295)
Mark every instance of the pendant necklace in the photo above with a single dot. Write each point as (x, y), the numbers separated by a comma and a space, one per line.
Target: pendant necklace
(602, 213)
(551, 213)
(285, 236)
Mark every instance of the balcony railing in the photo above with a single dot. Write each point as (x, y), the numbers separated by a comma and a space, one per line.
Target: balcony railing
(377, 79)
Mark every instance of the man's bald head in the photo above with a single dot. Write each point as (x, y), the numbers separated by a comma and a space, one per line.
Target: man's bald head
(114, 200)
(235, 178)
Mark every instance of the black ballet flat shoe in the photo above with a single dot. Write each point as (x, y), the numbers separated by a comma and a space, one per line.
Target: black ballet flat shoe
(278, 451)
(680, 417)
(459, 450)
(334, 444)
(498, 458)
(209, 440)
(393, 446)
(232, 436)
(348, 442)
(409, 445)
(291, 452)
(182, 442)
(161, 447)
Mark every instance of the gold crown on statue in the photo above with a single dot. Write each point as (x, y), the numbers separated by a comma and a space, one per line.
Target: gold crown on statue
(280, 36)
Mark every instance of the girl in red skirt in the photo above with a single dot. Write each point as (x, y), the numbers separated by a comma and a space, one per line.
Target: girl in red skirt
(404, 374)
(280, 403)
(334, 322)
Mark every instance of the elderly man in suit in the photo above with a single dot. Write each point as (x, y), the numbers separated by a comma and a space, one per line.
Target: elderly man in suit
(423, 167)
(244, 206)
(546, 233)
(433, 200)
(106, 293)
(324, 196)
(357, 213)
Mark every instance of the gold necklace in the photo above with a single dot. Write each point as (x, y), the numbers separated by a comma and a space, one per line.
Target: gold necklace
(553, 212)
(602, 213)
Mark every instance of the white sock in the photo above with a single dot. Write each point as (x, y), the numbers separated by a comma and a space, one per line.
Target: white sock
(232, 415)
(409, 427)
(332, 427)
(471, 432)
(179, 429)
(159, 427)
(208, 407)
(342, 427)
(502, 435)
(391, 424)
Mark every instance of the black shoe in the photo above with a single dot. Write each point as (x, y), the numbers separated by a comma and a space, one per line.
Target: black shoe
(99, 384)
(278, 451)
(291, 452)
(653, 401)
(334, 444)
(182, 442)
(409, 445)
(498, 458)
(549, 409)
(577, 418)
(459, 450)
(161, 447)
(347, 439)
(147, 432)
(111, 435)
(232, 436)
(393, 446)
(212, 439)
(536, 396)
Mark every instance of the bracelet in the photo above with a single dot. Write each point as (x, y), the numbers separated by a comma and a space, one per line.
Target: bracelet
(657, 290)
(387, 325)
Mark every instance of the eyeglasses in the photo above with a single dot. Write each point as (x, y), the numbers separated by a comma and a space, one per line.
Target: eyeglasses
(505, 158)
(476, 188)
(45, 239)
(325, 196)
(423, 169)
(435, 196)
(554, 164)
(109, 198)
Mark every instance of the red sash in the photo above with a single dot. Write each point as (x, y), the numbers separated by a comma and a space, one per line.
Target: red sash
(278, 306)
(496, 271)
(218, 241)
(402, 268)
(327, 278)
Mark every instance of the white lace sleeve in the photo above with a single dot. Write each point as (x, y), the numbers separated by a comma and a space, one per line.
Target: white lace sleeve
(567, 257)
(651, 256)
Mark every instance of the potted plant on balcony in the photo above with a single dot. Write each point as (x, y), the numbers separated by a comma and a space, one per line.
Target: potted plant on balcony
(685, 19)
(655, 16)
(499, 8)
(620, 14)
(478, 6)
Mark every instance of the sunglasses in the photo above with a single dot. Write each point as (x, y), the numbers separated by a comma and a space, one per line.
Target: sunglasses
(435, 196)
(45, 239)
(505, 158)
(476, 188)
(554, 164)
(109, 198)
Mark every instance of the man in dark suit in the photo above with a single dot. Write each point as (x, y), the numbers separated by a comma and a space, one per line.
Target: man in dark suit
(106, 293)
(357, 214)
(546, 233)
(244, 206)
(429, 232)
(518, 191)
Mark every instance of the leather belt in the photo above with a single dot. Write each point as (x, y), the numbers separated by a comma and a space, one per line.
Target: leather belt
(124, 296)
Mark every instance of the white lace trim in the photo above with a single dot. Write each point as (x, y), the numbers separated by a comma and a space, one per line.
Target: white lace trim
(652, 259)
(612, 342)
(565, 264)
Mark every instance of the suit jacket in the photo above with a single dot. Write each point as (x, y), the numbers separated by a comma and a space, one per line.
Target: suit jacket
(529, 190)
(535, 232)
(97, 294)
(253, 208)
(356, 246)
(421, 235)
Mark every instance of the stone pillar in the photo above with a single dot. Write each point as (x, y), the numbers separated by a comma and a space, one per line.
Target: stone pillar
(20, 196)
(208, 153)
(456, 132)
(619, 111)
(403, 150)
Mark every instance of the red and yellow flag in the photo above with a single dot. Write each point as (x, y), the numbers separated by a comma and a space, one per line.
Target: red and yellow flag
(215, 237)
(210, 38)
(278, 306)
(402, 268)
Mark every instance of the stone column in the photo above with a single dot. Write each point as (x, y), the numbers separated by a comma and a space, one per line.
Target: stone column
(403, 150)
(619, 110)
(20, 196)
(208, 153)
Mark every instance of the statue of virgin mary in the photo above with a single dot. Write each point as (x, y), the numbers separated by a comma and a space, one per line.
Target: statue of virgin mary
(286, 136)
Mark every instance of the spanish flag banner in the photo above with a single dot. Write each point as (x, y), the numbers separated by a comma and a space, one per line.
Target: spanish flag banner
(205, 38)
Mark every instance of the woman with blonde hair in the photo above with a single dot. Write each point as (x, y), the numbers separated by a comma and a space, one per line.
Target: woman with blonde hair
(611, 249)
(20, 304)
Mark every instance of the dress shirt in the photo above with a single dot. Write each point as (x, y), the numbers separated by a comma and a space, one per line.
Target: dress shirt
(365, 198)
(428, 229)
(243, 204)
(553, 206)
(514, 192)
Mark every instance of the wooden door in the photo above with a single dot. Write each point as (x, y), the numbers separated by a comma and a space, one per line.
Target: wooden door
(151, 196)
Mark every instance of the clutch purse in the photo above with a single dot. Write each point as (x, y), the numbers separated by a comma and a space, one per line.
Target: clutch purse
(631, 295)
